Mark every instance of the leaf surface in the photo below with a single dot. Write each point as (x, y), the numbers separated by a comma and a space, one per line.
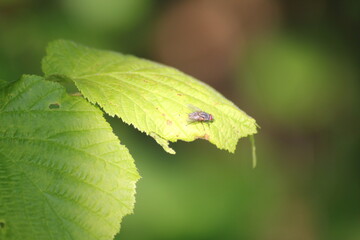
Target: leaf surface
(153, 97)
(63, 173)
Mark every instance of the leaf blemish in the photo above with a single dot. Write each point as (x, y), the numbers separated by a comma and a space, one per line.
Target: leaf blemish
(54, 106)
(2, 224)
(168, 122)
(76, 94)
(206, 137)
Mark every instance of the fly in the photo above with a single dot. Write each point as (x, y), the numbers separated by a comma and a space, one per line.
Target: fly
(199, 115)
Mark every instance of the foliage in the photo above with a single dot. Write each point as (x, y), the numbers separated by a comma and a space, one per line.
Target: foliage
(153, 97)
(64, 174)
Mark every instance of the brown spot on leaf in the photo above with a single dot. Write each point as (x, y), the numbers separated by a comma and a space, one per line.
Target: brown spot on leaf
(206, 137)
(168, 122)
(179, 94)
(76, 94)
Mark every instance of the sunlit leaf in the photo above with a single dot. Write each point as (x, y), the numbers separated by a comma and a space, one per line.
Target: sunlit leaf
(152, 97)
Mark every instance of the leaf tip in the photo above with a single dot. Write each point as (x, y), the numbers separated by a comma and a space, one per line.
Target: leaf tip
(162, 142)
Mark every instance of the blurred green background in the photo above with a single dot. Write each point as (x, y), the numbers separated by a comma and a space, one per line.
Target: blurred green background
(292, 65)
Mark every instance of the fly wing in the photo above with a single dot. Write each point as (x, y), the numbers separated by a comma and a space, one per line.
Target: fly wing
(193, 114)
(192, 108)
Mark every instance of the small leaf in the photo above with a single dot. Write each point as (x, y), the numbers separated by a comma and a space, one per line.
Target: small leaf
(162, 142)
(152, 97)
(63, 173)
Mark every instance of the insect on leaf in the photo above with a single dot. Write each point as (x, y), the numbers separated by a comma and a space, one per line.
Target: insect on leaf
(152, 97)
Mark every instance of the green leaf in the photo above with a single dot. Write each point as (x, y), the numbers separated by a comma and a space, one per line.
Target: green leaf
(63, 173)
(152, 97)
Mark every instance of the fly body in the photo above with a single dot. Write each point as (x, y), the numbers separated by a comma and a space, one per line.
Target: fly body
(200, 116)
